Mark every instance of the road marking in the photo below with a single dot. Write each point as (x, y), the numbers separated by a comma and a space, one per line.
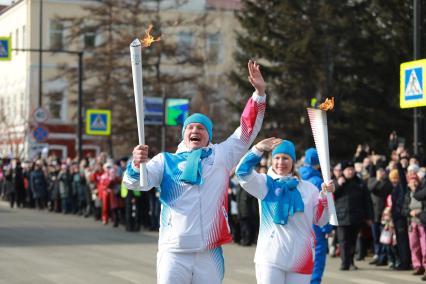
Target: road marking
(247, 271)
(133, 277)
(352, 279)
(63, 278)
(367, 281)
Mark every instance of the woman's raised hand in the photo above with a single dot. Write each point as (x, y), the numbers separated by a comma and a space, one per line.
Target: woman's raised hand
(268, 144)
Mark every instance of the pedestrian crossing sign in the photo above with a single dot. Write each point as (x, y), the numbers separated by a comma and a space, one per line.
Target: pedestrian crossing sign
(412, 84)
(98, 122)
(5, 48)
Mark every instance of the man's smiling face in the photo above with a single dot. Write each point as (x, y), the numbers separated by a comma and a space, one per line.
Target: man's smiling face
(195, 136)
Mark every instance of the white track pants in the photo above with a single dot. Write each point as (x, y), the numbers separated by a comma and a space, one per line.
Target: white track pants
(266, 274)
(206, 267)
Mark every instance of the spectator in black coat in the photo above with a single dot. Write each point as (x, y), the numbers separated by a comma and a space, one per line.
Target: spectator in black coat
(353, 207)
(9, 188)
(380, 187)
(246, 217)
(38, 185)
(393, 141)
(19, 184)
(399, 191)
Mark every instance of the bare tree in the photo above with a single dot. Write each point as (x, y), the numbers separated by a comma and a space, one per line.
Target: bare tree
(173, 67)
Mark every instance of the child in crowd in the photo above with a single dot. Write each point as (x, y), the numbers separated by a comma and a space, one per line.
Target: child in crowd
(387, 237)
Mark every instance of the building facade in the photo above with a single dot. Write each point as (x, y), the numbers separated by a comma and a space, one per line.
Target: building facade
(21, 94)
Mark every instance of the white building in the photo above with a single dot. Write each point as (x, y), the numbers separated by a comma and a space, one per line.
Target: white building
(19, 78)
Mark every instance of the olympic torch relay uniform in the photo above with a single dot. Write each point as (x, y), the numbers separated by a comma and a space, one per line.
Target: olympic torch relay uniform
(286, 243)
(194, 217)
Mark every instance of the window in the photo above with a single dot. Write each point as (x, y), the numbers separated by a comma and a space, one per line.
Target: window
(55, 104)
(184, 44)
(56, 34)
(16, 40)
(89, 39)
(24, 34)
(214, 48)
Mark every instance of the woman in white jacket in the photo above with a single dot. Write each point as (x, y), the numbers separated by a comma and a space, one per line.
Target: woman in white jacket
(288, 208)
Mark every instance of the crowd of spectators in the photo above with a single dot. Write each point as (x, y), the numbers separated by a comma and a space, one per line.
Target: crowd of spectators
(91, 187)
(380, 201)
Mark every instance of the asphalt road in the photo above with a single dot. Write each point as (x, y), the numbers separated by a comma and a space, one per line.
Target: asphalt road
(46, 248)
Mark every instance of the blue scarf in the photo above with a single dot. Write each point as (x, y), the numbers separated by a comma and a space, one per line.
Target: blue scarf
(288, 200)
(192, 172)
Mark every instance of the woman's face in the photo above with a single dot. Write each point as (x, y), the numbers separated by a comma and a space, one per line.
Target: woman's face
(349, 172)
(282, 164)
(337, 172)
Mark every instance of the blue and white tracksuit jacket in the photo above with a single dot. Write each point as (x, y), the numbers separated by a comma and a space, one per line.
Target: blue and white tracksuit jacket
(288, 247)
(313, 176)
(194, 218)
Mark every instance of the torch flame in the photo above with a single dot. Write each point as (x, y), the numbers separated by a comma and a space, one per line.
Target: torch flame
(148, 39)
(327, 105)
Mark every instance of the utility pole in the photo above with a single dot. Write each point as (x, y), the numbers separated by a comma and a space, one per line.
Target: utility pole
(80, 107)
(40, 57)
(416, 55)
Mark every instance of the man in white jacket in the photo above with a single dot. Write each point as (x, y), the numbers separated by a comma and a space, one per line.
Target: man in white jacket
(193, 183)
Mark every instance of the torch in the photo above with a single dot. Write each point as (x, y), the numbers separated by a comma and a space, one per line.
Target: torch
(318, 120)
(136, 58)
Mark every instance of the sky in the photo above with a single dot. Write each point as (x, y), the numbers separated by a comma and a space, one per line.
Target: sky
(3, 2)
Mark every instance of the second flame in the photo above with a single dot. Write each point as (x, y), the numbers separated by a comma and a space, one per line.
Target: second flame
(148, 39)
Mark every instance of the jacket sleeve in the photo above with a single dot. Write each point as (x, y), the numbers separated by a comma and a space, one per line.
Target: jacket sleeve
(339, 192)
(372, 186)
(251, 181)
(31, 179)
(321, 215)
(154, 171)
(402, 177)
(327, 228)
(420, 194)
(239, 142)
(406, 205)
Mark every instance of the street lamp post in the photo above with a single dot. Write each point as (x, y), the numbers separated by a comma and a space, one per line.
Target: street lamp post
(80, 91)
(416, 55)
